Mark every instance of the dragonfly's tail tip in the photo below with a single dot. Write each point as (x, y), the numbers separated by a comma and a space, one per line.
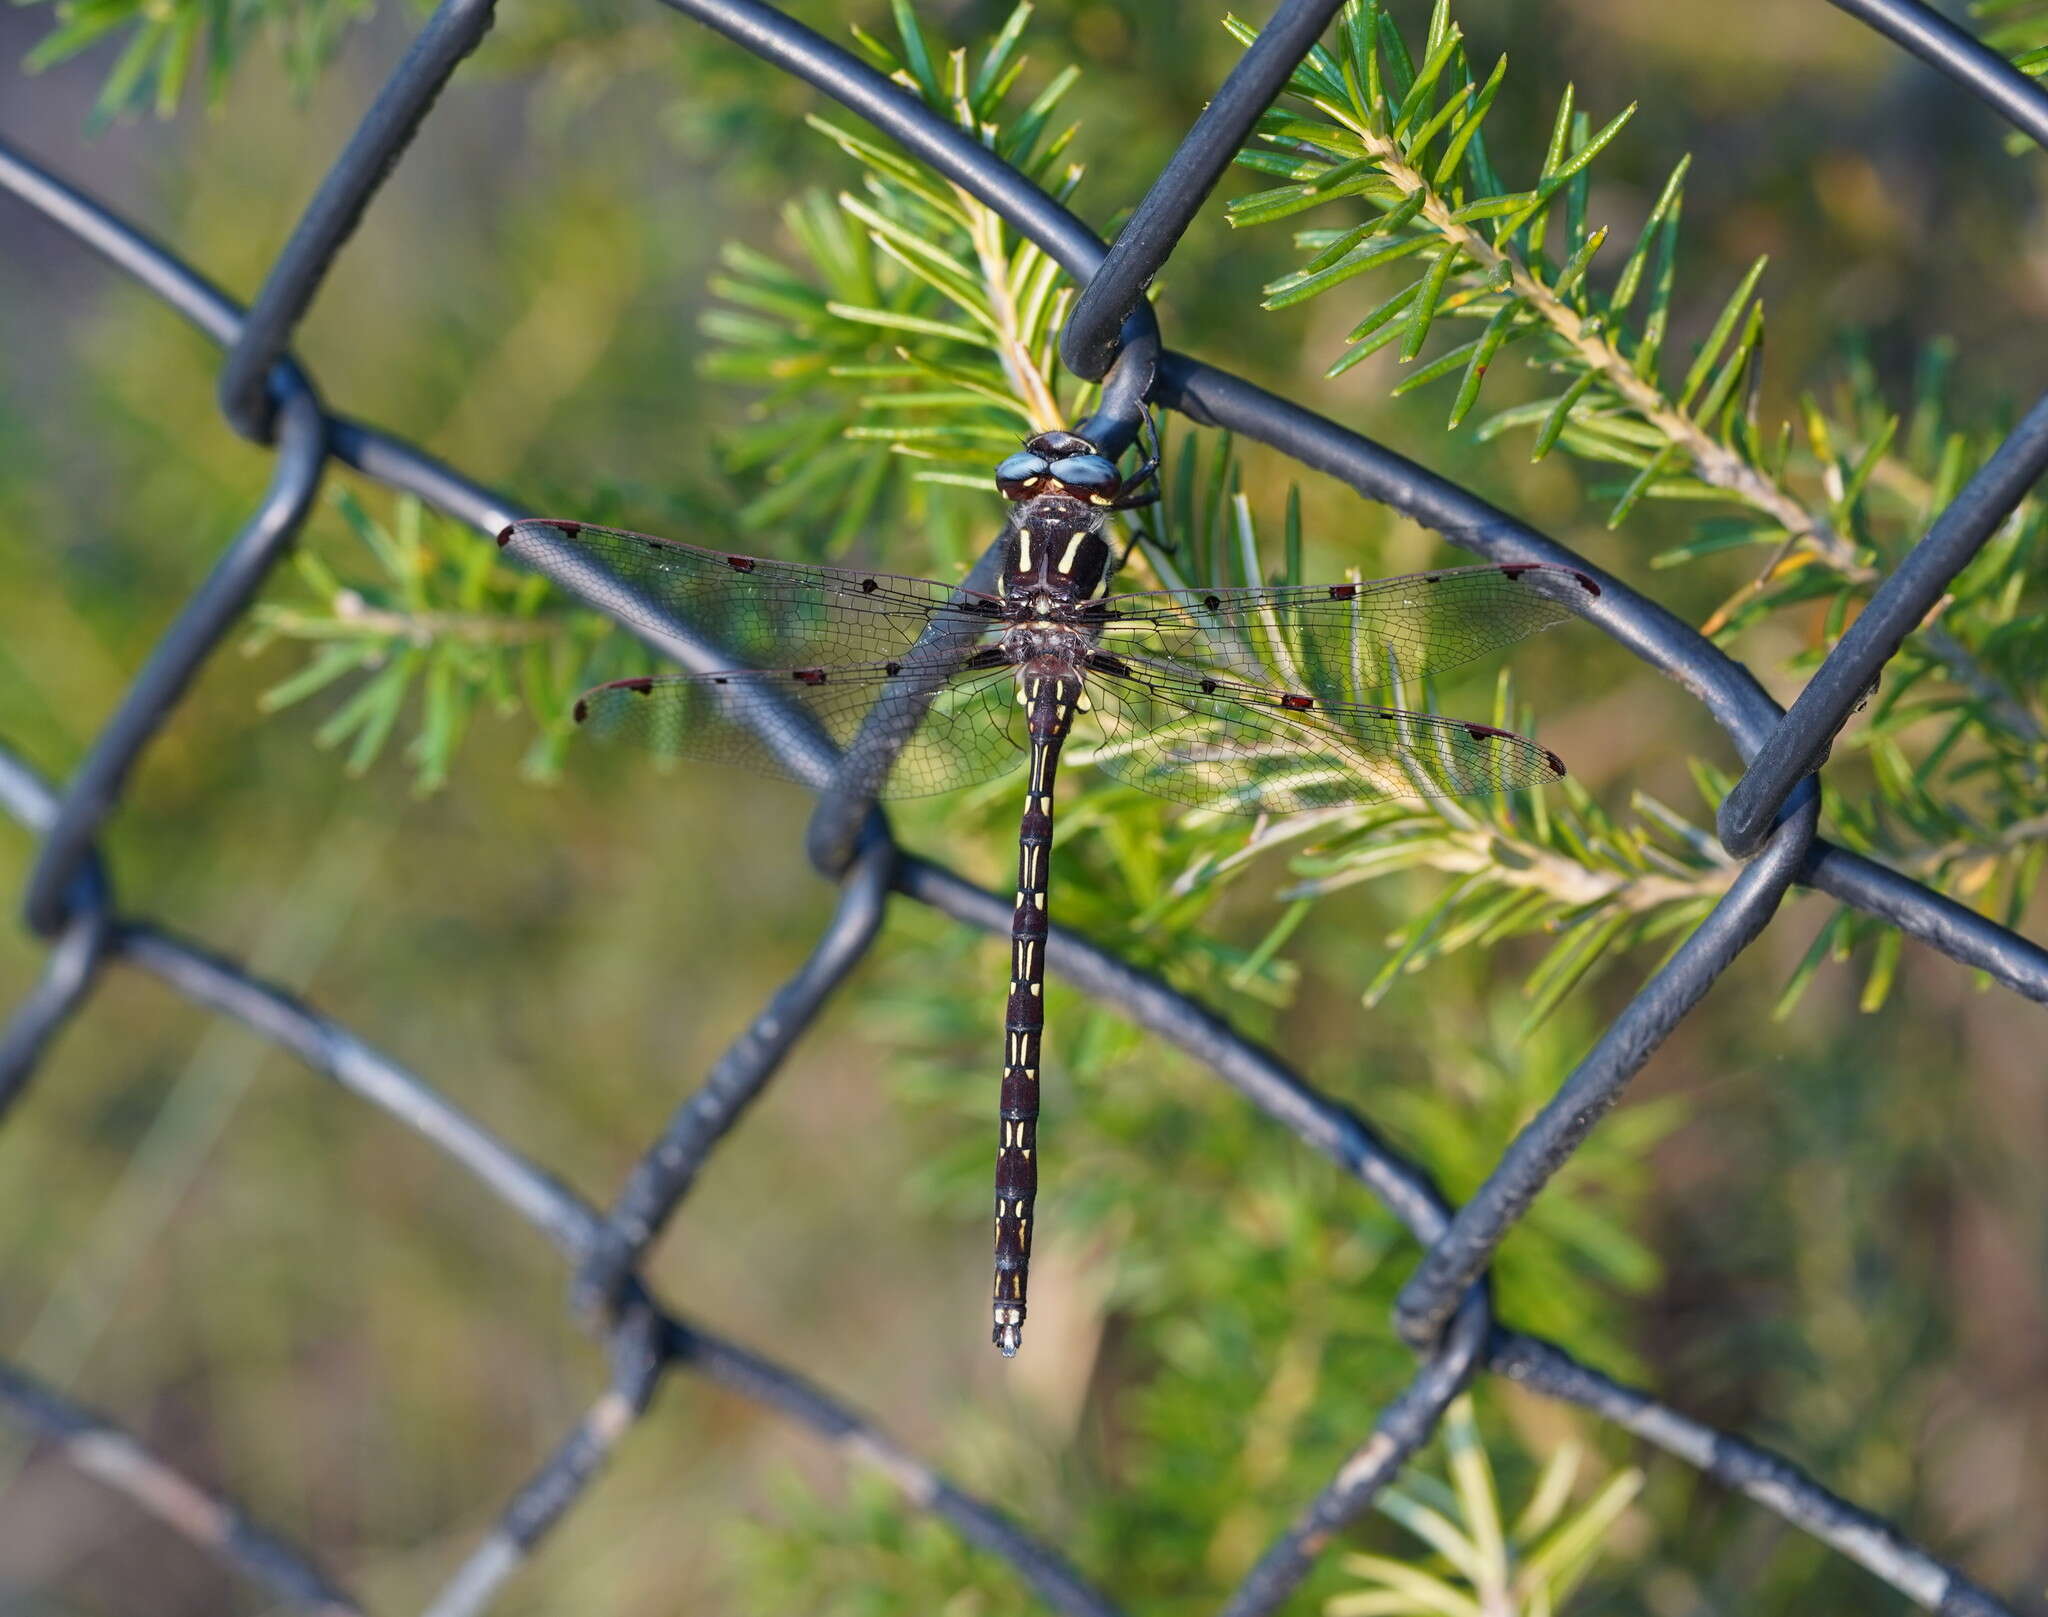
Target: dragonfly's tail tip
(1009, 1338)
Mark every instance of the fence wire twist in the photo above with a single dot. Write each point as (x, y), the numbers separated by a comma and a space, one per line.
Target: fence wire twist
(1445, 1312)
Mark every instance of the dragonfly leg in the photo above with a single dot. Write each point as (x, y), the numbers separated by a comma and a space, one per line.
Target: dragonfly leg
(1129, 498)
(1134, 492)
(1123, 557)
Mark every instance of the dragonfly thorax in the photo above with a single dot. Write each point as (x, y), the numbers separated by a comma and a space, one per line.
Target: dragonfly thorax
(1057, 645)
(1056, 549)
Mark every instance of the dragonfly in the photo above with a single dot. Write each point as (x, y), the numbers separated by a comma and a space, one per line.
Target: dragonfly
(1254, 700)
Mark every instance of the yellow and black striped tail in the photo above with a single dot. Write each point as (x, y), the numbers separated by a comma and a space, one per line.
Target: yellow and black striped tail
(1051, 706)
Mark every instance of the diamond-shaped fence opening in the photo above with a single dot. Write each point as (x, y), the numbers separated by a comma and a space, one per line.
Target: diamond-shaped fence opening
(1445, 1312)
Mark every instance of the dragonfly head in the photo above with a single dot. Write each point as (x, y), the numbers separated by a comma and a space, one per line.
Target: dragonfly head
(1059, 463)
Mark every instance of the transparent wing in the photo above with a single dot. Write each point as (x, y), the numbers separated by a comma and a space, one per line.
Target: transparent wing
(899, 736)
(1343, 642)
(1223, 745)
(759, 612)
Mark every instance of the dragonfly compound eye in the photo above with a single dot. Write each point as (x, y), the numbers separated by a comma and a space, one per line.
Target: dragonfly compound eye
(1017, 477)
(1086, 474)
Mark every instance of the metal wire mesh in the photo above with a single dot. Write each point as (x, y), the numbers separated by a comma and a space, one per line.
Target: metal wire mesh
(1445, 1313)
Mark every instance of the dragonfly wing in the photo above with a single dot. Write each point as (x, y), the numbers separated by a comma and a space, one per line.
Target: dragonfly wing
(756, 612)
(1343, 642)
(1221, 744)
(880, 731)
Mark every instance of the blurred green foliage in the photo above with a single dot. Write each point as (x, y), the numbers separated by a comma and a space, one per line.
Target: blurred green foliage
(637, 278)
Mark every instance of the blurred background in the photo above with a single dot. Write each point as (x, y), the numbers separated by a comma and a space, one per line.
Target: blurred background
(1826, 1231)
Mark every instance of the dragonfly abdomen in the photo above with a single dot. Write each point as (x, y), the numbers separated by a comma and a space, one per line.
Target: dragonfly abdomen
(1050, 699)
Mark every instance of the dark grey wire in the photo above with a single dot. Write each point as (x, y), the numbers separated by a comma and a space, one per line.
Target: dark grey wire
(668, 1168)
(1960, 57)
(642, 1339)
(68, 976)
(454, 30)
(844, 819)
(1751, 1470)
(1461, 1254)
(638, 1347)
(1154, 229)
(1407, 1423)
(101, 1449)
(162, 681)
(1799, 743)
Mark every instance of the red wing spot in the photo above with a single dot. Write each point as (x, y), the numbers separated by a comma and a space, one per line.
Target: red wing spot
(1587, 583)
(740, 564)
(505, 533)
(581, 710)
(1514, 569)
(892, 668)
(1483, 732)
(808, 676)
(869, 586)
(1208, 687)
(1300, 704)
(571, 529)
(1212, 602)
(1556, 764)
(1343, 592)
(639, 687)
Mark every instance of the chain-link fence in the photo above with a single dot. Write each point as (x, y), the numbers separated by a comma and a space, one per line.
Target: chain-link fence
(1445, 1313)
